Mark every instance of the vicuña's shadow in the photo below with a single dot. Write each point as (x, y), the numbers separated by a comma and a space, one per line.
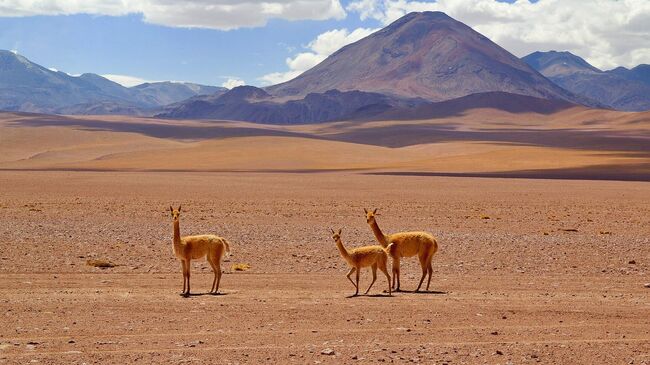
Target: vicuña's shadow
(203, 294)
(370, 295)
(430, 292)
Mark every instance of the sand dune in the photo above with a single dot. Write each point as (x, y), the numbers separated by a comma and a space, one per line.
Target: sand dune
(480, 141)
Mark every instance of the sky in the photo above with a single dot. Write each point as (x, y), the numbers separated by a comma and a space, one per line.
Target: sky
(235, 42)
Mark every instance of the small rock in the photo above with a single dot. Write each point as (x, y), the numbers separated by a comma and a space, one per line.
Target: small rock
(328, 351)
(499, 352)
(647, 285)
(71, 341)
(632, 262)
(494, 333)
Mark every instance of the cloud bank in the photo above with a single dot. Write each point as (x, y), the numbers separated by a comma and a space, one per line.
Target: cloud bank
(608, 33)
(233, 82)
(126, 80)
(214, 14)
(318, 50)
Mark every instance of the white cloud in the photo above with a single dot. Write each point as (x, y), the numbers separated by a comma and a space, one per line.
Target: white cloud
(126, 80)
(607, 33)
(233, 82)
(14, 51)
(216, 14)
(318, 50)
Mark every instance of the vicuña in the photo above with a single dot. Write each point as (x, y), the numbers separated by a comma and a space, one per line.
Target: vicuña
(187, 248)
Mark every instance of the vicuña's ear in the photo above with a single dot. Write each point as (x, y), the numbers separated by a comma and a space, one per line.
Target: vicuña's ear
(179, 208)
(340, 231)
(171, 209)
(365, 210)
(374, 211)
(332, 231)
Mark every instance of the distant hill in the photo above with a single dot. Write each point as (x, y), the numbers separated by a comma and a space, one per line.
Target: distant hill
(27, 86)
(425, 55)
(620, 89)
(248, 103)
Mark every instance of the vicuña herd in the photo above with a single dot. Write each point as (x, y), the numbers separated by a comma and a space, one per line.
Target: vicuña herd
(396, 245)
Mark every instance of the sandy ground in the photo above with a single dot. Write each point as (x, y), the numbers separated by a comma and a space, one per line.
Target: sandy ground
(529, 271)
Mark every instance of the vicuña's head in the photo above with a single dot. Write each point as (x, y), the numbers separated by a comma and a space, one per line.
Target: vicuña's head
(336, 235)
(175, 212)
(370, 215)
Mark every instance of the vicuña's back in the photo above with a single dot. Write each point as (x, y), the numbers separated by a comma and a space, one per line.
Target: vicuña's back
(411, 243)
(200, 246)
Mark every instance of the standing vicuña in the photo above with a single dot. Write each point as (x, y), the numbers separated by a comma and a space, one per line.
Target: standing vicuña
(212, 247)
(373, 256)
(405, 244)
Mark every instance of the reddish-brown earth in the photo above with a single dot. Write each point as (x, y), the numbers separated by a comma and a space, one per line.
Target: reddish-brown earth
(529, 271)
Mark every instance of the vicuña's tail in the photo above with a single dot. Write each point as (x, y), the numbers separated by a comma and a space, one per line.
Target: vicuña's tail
(391, 249)
(227, 245)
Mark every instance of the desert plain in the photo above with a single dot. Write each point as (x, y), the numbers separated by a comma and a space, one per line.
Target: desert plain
(543, 223)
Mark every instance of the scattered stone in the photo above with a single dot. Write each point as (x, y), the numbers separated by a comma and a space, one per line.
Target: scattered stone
(328, 352)
(494, 333)
(632, 262)
(499, 352)
(647, 285)
(71, 341)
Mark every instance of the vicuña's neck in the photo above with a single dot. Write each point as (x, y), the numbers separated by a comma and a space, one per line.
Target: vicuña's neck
(177, 232)
(379, 235)
(342, 250)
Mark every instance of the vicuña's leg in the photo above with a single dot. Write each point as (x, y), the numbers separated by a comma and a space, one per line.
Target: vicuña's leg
(188, 266)
(352, 270)
(374, 277)
(423, 263)
(218, 265)
(183, 272)
(214, 270)
(396, 273)
(430, 271)
(357, 285)
(385, 271)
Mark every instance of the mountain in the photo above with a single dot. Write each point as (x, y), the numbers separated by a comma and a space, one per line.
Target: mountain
(27, 86)
(427, 55)
(556, 64)
(620, 88)
(164, 93)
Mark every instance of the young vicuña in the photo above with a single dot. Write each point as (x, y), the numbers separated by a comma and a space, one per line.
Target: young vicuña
(373, 256)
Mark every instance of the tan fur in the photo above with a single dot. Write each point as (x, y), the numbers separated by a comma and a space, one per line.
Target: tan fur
(189, 248)
(373, 256)
(405, 244)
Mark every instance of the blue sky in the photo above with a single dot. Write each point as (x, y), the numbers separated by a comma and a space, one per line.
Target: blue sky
(190, 44)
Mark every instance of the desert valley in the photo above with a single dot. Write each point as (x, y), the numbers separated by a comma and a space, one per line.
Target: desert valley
(533, 175)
